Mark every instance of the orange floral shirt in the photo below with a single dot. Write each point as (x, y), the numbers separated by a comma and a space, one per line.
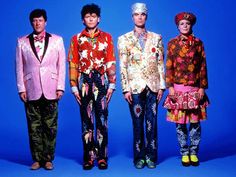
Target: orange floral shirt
(91, 52)
(186, 62)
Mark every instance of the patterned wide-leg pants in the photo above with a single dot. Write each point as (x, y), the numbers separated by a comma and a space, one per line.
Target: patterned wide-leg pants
(144, 108)
(94, 113)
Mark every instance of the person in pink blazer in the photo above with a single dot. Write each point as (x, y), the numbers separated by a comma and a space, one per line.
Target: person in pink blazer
(40, 73)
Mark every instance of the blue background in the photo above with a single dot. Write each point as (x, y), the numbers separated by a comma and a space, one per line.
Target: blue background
(215, 26)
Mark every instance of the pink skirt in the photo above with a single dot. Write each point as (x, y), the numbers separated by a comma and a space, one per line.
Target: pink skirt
(185, 106)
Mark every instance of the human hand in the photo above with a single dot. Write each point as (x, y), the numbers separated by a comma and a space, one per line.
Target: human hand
(59, 94)
(201, 92)
(109, 94)
(128, 97)
(159, 95)
(23, 96)
(171, 91)
(77, 97)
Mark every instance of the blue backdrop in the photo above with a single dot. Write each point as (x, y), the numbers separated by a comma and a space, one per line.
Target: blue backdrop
(215, 26)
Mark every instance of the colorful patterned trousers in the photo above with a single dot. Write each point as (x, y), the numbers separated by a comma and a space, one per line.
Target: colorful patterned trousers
(42, 128)
(194, 135)
(144, 108)
(94, 113)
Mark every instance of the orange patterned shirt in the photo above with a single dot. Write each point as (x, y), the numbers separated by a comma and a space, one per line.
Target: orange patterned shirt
(186, 62)
(91, 52)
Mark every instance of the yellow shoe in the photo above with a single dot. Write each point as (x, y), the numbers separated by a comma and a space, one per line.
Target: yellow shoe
(194, 160)
(185, 160)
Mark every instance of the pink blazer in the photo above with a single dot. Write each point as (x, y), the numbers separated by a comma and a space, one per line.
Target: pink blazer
(37, 77)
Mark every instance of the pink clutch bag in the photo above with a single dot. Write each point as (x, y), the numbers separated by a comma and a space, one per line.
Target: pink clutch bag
(185, 100)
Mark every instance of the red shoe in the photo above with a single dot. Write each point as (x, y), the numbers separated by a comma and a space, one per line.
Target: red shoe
(88, 165)
(102, 164)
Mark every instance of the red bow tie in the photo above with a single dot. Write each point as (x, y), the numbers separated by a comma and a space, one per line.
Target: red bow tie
(39, 38)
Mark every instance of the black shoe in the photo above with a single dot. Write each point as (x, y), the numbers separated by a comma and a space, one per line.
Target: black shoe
(88, 165)
(150, 164)
(102, 164)
(140, 164)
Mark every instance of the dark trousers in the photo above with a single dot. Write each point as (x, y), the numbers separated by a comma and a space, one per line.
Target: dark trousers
(42, 128)
(144, 109)
(94, 113)
(194, 134)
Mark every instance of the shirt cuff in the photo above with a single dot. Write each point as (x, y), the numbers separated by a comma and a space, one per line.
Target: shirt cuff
(162, 87)
(112, 86)
(74, 89)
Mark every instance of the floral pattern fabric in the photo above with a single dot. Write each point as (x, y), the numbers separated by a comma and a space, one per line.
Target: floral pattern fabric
(186, 62)
(91, 52)
(185, 100)
(185, 106)
(186, 72)
(141, 67)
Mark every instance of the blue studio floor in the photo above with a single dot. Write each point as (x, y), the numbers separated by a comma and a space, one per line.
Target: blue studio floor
(121, 166)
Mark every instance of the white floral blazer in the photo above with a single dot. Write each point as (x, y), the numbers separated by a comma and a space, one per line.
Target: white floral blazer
(141, 67)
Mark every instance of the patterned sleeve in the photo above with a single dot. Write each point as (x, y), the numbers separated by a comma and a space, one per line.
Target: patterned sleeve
(111, 63)
(123, 56)
(203, 70)
(169, 65)
(73, 59)
(161, 63)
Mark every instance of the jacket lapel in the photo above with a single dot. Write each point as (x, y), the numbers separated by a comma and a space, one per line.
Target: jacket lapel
(31, 39)
(46, 43)
(149, 39)
(135, 41)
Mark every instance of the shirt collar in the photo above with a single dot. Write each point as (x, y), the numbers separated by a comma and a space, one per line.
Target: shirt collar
(87, 34)
(186, 38)
(143, 34)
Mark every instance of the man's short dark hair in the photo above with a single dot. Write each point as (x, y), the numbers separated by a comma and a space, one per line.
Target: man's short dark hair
(38, 13)
(89, 9)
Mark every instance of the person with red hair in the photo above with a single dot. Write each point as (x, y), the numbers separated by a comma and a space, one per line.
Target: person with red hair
(186, 79)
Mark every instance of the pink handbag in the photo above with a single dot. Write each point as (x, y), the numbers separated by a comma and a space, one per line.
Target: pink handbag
(185, 100)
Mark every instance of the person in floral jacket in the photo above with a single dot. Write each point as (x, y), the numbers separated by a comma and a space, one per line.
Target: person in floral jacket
(142, 79)
(92, 72)
(186, 78)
